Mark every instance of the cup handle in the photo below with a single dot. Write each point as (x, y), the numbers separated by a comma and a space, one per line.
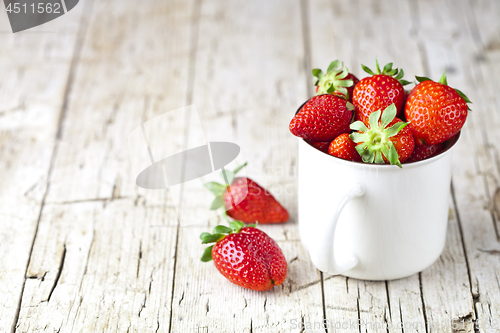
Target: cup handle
(322, 255)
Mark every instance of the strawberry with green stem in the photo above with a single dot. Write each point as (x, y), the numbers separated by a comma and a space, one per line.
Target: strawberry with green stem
(246, 256)
(335, 81)
(245, 200)
(385, 139)
(436, 112)
(378, 91)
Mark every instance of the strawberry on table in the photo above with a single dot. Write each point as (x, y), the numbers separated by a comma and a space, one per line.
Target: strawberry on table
(246, 256)
(376, 92)
(245, 200)
(422, 152)
(336, 80)
(343, 147)
(322, 118)
(435, 111)
(385, 139)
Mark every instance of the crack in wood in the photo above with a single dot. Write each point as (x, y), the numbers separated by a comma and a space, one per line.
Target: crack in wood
(423, 302)
(143, 305)
(464, 249)
(139, 259)
(303, 327)
(359, 312)
(58, 276)
(323, 300)
(492, 251)
(182, 298)
(388, 302)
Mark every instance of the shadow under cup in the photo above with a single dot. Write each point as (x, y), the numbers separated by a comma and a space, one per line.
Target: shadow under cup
(371, 221)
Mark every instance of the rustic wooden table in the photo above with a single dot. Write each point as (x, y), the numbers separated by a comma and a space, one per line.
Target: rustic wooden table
(82, 249)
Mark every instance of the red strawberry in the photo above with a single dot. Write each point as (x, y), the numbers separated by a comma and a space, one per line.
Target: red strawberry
(323, 146)
(378, 91)
(343, 147)
(435, 111)
(335, 81)
(247, 256)
(385, 140)
(245, 200)
(422, 152)
(322, 118)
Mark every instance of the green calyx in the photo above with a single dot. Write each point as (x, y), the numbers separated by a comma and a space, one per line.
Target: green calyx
(219, 189)
(334, 79)
(374, 142)
(218, 234)
(387, 70)
(444, 80)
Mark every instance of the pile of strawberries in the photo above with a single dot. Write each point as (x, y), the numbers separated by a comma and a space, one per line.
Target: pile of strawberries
(374, 120)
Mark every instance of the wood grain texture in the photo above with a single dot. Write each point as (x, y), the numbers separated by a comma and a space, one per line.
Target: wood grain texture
(458, 47)
(35, 68)
(104, 255)
(111, 257)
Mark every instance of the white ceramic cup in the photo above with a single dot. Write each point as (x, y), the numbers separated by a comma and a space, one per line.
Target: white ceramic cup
(370, 221)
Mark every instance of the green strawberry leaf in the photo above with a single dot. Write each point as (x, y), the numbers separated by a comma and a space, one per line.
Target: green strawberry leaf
(236, 225)
(212, 238)
(317, 73)
(358, 137)
(222, 229)
(333, 65)
(466, 99)
(366, 69)
(217, 203)
(404, 82)
(377, 68)
(443, 79)
(395, 129)
(228, 176)
(216, 188)
(374, 118)
(358, 126)
(388, 115)
(253, 225)
(378, 158)
(203, 235)
(207, 254)
(393, 157)
(239, 168)
(343, 74)
(400, 75)
(422, 78)
(387, 68)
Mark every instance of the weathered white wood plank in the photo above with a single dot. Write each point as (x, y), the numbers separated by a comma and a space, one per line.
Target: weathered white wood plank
(35, 67)
(100, 267)
(453, 37)
(104, 258)
(249, 82)
(134, 66)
